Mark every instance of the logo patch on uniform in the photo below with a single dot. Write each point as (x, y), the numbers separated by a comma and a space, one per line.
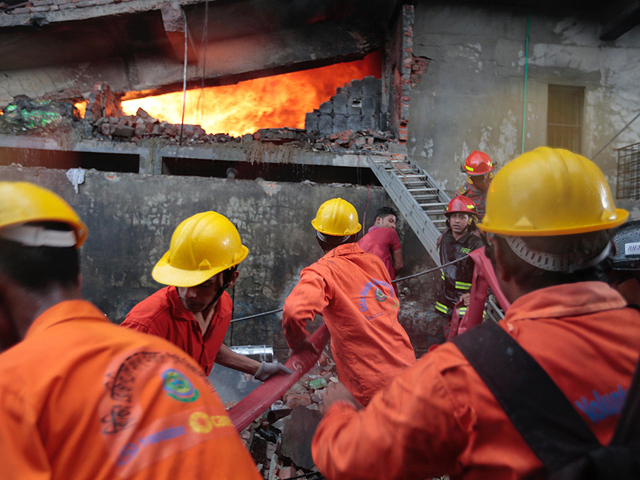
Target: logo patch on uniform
(380, 295)
(178, 386)
(200, 422)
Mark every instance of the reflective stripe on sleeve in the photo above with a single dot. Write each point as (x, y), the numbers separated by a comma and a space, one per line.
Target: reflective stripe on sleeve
(442, 308)
(463, 286)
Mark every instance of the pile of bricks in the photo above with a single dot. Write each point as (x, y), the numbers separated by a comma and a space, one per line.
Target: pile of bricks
(103, 102)
(280, 440)
(367, 140)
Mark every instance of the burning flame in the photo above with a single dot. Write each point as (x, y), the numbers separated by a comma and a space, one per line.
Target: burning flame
(82, 107)
(269, 102)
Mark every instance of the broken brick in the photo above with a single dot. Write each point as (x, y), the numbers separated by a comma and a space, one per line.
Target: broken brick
(298, 399)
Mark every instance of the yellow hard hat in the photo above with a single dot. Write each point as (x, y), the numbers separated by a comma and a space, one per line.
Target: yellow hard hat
(336, 217)
(550, 191)
(201, 246)
(24, 202)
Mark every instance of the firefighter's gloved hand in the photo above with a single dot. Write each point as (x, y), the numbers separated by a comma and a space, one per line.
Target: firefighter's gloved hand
(268, 370)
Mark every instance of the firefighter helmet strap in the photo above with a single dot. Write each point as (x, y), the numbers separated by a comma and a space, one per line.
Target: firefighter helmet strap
(552, 262)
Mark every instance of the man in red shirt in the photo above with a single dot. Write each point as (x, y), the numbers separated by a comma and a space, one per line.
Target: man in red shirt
(547, 230)
(382, 240)
(194, 311)
(80, 397)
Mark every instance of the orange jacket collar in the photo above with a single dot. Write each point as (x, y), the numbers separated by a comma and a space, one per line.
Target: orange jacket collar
(346, 249)
(63, 311)
(566, 300)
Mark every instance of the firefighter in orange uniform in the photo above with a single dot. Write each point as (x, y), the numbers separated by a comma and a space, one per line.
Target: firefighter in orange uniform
(81, 398)
(547, 227)
(478, 168)
(352, 290)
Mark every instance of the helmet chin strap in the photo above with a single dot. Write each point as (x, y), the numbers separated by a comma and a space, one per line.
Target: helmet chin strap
(226, 280)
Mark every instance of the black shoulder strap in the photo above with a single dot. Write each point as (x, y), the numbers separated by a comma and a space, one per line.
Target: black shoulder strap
(538, 409)
(628, 430)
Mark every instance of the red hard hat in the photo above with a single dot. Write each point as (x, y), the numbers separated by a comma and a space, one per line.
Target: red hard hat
(461, 204)
(478, 163)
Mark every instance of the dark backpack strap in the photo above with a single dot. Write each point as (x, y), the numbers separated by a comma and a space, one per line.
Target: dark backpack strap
(538, 409)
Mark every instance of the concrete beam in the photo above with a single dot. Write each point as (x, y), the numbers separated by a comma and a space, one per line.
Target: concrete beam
(240, 58)
(71, 15)
(151, 155)
(619, 18)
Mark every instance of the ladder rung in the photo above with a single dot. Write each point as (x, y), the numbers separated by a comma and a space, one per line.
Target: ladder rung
(439, 221)
(432, 204)
(426, 189)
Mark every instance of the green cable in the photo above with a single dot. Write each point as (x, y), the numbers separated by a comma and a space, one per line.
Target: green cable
(526, 70)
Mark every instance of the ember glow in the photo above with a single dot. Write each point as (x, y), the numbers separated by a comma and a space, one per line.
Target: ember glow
(270, 102)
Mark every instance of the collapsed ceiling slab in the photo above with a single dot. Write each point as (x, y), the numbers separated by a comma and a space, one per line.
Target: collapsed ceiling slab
(141, 49)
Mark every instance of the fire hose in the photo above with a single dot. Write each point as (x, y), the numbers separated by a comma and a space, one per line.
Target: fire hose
(254, 404)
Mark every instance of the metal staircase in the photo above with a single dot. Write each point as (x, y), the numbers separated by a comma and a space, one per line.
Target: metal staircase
(416, 195)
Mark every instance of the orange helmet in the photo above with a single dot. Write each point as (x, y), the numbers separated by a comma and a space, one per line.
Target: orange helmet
(478, 163)
(461, 204)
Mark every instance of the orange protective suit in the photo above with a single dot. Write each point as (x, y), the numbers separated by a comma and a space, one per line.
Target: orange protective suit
(439, 417)
(81, 398)
(352, 290)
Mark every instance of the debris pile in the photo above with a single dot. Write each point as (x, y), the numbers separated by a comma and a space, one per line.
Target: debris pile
(104, 119)
(25, 114)
(355, 140)
(280, 439)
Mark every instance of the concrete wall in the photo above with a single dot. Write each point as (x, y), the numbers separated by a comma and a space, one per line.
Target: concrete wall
(472, 94)
(131, 218)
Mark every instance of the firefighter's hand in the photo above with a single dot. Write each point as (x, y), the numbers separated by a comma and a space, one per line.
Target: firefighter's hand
(466, 299)
(337, 392)
(270, 369)
(303, 344)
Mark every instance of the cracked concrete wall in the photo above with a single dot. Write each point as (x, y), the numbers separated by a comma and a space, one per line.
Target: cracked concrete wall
(471, 96)
(131, 218)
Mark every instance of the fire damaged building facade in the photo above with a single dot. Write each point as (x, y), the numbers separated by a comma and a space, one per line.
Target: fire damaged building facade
(141, 113)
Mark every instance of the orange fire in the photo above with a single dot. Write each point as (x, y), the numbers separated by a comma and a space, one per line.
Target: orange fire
(82, 108)
(269, 102)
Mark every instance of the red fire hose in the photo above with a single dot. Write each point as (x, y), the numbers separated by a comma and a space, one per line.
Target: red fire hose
(483, 277)
(258, 401)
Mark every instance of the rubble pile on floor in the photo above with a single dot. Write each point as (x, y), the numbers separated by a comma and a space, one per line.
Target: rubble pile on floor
(280, 439)
(25, 114)
(104, 119)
